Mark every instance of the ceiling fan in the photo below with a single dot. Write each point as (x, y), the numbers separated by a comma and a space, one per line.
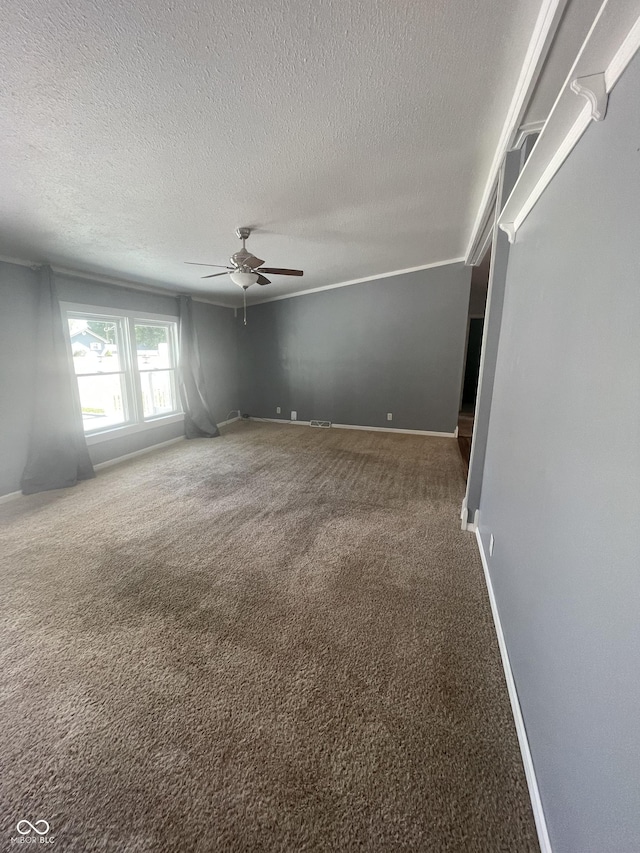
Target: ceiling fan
(245, 268)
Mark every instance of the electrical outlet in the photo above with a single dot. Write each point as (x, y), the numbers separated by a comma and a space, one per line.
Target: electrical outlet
(491, 543)
(294, 416)
(389, 416)
(278, 410)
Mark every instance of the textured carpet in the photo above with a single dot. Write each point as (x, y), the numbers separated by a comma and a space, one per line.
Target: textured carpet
(278, 640)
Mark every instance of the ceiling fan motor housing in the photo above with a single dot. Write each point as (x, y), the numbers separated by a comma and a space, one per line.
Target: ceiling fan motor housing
(245, 268)
(238, 258)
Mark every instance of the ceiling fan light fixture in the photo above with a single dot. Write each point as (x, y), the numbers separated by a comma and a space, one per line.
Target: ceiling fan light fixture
(243, 279)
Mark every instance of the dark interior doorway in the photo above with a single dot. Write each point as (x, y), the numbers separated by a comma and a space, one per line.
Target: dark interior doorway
(472, 366)
(469, 391)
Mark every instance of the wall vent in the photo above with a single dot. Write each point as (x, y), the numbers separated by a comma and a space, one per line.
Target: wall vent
(324, 424)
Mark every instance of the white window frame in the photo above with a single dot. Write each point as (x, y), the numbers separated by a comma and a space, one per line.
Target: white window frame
(136, 422)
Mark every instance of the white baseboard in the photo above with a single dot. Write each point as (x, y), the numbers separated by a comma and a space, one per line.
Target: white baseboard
(280, 421)
(464, 512)
(366, 428)
(11, 496)
(529, 769)
(100, 465)
(229, 421)
(469, 526)
(404, 431)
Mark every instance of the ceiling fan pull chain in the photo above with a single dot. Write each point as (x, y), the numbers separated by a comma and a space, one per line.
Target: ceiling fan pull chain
(244, 303)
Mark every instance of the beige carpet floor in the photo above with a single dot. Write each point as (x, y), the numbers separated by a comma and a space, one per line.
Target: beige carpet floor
(279, 640)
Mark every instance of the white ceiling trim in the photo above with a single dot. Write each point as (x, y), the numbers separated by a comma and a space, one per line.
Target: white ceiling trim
(485, 245)
(115, 282)
(156, 289)
(526, 130)
(19, 262)
(616, 24)
(543, 34)
(358, 281)
(159, 290)
(623, 56)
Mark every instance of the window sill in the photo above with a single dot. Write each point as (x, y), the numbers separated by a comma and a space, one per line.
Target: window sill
(131, 429)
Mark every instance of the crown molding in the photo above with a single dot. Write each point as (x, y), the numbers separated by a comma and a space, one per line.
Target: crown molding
(19, 262)
(112, 281)
(357, 281)
(158, 290)
(510, 226)
(610, 44)
(594, 89)
(484, 241)
(524, 131)
(541, 39)
(510, 230)
(623, 56)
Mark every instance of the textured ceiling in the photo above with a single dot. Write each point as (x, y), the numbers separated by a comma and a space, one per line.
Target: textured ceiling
(355, 136)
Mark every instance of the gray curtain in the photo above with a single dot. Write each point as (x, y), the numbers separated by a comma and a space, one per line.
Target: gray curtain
(198, 421)
(58, 455)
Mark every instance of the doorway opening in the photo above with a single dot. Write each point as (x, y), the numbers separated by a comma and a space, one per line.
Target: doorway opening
(472, 365)
(475, 329)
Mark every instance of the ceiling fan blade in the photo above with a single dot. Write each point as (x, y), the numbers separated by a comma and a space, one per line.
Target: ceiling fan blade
(215, 274)
(263, 280)
(196, 264)
(276, 271)
(253, 262)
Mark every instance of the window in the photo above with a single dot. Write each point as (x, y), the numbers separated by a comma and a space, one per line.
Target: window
(125, 366)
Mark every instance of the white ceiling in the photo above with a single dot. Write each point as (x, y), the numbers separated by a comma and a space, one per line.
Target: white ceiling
(356, 137)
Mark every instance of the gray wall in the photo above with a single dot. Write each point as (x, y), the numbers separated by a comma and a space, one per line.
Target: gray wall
(92, 293)
(561, 490)
(18, 300)
(352, 354)
(218, 342)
